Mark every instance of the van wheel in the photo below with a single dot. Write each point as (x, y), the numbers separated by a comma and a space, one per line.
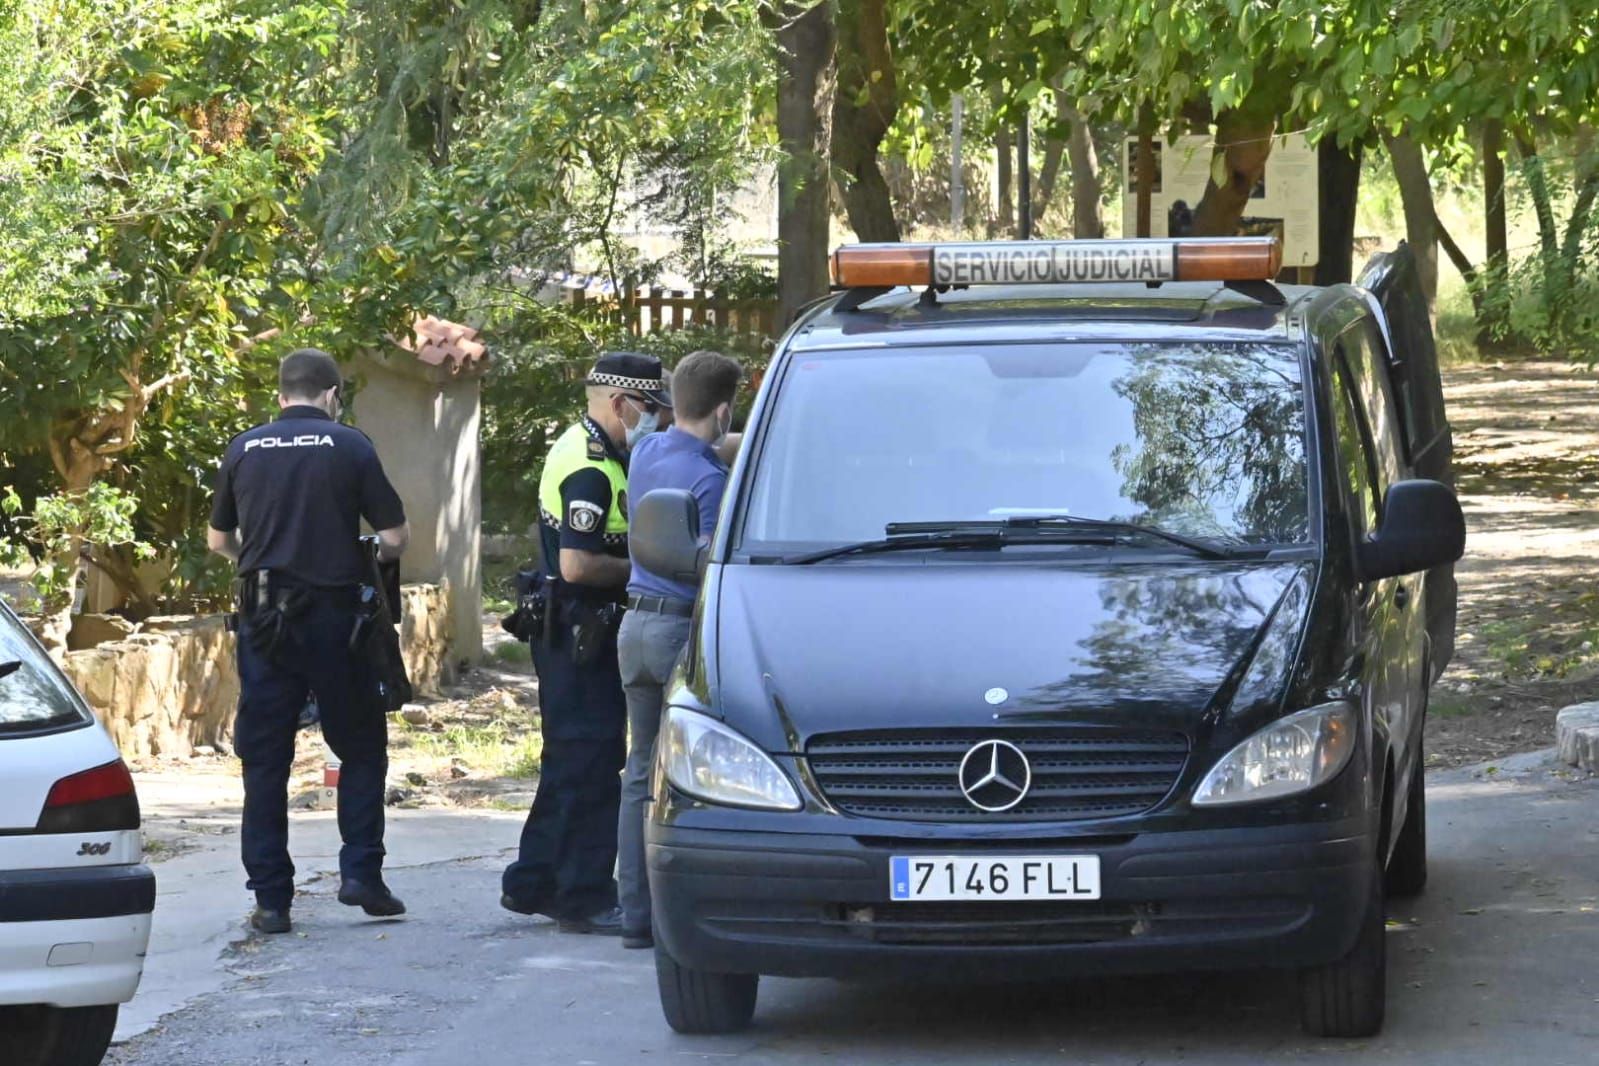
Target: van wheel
(56, 1036)
(1407, 868)
(698, 1002)
(1347, 998)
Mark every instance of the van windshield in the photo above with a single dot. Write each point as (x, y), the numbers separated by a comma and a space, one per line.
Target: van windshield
(33, 694)
(1204, 440)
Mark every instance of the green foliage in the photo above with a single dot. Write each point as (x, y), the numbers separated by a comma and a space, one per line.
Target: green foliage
(536, 391)
(151, 170)
(58, 524)
(189, 188)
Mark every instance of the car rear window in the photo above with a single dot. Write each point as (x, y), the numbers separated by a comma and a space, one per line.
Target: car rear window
(1202, 439)
(34, 695)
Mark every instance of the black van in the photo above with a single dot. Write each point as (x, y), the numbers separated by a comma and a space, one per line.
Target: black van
(1060, 627)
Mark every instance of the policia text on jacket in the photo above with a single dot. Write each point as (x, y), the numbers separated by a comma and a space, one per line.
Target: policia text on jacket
(1061, 629)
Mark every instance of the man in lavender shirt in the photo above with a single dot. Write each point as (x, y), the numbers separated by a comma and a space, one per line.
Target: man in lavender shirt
(660, 611)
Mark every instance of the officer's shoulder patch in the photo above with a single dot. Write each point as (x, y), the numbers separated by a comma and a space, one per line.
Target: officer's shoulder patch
(596, 449)
(583, 516)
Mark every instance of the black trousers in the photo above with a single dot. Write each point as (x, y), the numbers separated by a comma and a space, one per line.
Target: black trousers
(566, 864)
(315, 657)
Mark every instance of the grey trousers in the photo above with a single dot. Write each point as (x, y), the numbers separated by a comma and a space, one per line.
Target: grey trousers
(647, 650)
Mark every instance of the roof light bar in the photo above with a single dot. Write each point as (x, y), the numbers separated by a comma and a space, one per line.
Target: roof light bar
(858, 266)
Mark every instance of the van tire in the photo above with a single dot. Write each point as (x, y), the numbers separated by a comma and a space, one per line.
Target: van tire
(1407, 867)
(695, 1001)
(56, 1036)
(1347, 998)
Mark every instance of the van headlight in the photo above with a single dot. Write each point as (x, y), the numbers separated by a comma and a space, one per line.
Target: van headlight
(1290, 755)
(709, 761)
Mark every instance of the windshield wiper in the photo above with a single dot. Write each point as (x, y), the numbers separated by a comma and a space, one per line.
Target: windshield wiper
(953, 537)
(1069, 525)
(7, 669)
(1022, 529)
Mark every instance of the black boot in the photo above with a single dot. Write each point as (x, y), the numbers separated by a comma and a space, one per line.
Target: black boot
(268, 920)
(373, 897)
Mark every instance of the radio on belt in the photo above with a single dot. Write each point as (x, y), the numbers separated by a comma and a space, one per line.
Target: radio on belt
(1057, 262)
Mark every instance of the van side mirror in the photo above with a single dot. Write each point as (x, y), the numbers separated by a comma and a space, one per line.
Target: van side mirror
(1422, 527)
(664, 535)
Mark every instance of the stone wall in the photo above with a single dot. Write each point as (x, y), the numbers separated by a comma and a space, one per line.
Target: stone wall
(165, 689)
(173, 684)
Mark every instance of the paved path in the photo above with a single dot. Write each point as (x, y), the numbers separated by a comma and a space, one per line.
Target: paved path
(1494, 964)
(202, 901)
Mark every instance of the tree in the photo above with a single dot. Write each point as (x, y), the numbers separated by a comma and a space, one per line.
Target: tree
(804, 34)
(158, 156)
(864, 105)
(179, 189)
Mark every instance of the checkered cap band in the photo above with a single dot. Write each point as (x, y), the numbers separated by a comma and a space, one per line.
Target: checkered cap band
(620, 382)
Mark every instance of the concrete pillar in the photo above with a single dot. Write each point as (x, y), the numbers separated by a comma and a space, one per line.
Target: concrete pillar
(422, 407)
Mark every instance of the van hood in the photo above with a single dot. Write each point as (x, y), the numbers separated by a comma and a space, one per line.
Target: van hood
(803, 650)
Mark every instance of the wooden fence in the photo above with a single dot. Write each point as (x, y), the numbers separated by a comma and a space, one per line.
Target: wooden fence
(652, 309)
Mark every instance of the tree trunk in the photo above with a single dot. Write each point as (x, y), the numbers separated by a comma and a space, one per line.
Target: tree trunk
(1338, 181)
(1087, 221)
(1587, 185)
(1054, 156)
(1421, 217)
(1048, 174)
(1493, 196)
(1538, 189)
(864, 104)
(1553, 297)
(805, 45)
(1024, 179)
(1489, 298)
(1243, 139)
(1002, 152)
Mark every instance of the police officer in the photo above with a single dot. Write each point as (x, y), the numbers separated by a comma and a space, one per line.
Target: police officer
(289, 502)
(568, 848)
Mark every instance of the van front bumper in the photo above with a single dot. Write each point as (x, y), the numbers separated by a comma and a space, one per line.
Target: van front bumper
(806, 905)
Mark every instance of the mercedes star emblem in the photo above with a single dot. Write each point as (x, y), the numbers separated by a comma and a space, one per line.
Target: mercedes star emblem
(995, 776)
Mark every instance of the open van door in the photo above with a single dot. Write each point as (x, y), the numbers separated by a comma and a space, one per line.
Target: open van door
(1395, 285)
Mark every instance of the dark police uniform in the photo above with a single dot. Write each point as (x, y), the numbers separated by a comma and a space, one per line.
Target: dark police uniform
(568, 848)
(296, 489)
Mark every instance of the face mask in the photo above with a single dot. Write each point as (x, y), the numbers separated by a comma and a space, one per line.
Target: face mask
(648, 422)
(724, 428)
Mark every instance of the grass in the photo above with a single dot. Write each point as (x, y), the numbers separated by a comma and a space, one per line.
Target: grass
(511, 653)
(499, 589)
(488, 750)
(1456, 332)
(1443, 704)
(1544, 647)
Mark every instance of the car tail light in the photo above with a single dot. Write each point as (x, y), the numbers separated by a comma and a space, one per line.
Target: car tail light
(94, 801)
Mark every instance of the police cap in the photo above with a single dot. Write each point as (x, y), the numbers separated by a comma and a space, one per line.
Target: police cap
(633, 371)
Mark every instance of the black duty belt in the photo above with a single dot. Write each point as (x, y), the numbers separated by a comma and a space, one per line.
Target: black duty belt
(661, 605)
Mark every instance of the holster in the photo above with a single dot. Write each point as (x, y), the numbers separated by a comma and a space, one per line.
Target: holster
(375, 635)
(594, 630)
(530, 620)
(269, 608)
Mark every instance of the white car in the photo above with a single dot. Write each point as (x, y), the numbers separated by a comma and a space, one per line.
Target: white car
(75, 900)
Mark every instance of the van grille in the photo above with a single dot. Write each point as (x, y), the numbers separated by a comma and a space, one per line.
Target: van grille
(1078, 773)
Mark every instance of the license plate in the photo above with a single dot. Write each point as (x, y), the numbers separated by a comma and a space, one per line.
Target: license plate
(980, 877)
